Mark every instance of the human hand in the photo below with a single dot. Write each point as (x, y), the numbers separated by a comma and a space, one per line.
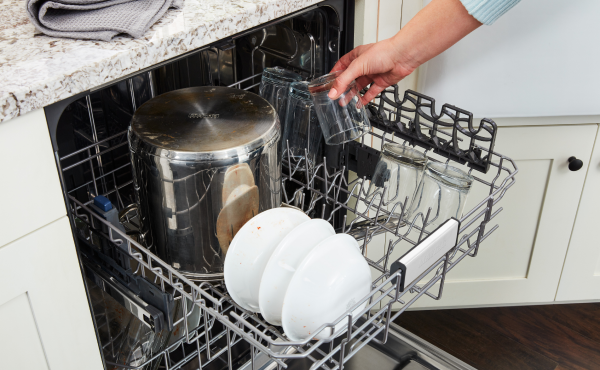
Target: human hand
(381, 63)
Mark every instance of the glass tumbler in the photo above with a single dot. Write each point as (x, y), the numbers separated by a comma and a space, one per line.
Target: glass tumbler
(274, 87)
(343, 119)
(302, 130)
(398, 171)
(444, 189)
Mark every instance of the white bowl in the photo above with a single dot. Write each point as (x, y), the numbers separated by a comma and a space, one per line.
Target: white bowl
(250, 250)
(283, 263)
(331, 279)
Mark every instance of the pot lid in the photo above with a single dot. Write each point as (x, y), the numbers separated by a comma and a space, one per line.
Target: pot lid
(206, 119)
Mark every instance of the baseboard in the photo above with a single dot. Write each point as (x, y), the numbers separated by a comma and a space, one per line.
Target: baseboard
(500, 305)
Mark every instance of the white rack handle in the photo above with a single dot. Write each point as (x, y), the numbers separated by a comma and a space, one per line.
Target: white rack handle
(419, 258)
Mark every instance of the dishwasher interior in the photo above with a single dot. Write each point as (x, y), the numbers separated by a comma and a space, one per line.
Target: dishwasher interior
(148, 316)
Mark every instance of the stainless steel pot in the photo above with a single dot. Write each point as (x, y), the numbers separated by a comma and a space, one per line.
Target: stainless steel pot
(205, 160)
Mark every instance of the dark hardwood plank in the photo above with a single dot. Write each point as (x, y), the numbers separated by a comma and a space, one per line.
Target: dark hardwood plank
(535, 328)
(561, 367)
(476, 345)
(584, 318)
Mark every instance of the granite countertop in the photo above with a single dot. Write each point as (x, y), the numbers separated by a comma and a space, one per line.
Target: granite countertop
(37, 70)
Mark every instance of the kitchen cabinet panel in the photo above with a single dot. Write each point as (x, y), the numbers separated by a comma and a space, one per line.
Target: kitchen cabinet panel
(382, 19)
(512, 260)
(45, 320)
(409, 9)
(521, 261)
(390, 18)
(580, 278)
(365, 22)
(24, 350)
(30, 191)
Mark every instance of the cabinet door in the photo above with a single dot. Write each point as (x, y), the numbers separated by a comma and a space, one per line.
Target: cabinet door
(378, 20)
(580, 278)
(521, 261)
(45, 320)
(30, 191)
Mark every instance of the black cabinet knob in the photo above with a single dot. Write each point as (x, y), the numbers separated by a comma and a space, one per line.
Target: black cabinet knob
(575, 164)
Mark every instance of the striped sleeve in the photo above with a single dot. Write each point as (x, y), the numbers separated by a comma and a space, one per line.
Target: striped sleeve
(488, 11)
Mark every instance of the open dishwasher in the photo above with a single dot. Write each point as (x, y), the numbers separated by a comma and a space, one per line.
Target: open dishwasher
(149, 316)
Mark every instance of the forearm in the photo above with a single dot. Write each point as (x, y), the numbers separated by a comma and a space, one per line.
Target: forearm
(434, 29)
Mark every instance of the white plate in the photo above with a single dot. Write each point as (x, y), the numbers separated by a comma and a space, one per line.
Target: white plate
(250, 250)
(332, 278)
(283, 263)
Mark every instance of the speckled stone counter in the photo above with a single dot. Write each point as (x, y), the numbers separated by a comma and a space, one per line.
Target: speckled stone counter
(37, 70)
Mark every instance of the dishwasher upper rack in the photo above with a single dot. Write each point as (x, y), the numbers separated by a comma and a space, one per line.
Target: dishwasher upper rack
(450, 133)
(370, 217)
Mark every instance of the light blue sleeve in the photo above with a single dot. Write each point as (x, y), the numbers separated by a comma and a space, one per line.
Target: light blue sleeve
(488, 11)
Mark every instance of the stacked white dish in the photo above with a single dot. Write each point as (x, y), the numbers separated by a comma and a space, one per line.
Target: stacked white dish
(251, 249)
(297, 273)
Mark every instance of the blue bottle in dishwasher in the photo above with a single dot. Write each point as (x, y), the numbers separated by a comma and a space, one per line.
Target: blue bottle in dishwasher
(103, 207)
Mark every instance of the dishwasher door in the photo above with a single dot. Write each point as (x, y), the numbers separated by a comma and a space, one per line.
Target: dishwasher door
(402, 351)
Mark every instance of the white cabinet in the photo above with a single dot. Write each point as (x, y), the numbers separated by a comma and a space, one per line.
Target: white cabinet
(521, 262)
(378, 20)
(580, 278)
(30, 191)
(45, 320)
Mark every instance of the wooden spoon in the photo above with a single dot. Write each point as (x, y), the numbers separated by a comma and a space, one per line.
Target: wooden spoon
(237, 175)
(240, 208)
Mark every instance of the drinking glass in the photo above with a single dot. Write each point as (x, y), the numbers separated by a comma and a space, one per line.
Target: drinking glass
(302, 129)
(343, 119)
(274, 87)
(398, 171)
(444, 189)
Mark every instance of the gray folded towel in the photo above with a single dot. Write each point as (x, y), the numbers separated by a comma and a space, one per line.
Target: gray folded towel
(97, 19)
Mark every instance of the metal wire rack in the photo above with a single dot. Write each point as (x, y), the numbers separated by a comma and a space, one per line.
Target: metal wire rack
(228, 334)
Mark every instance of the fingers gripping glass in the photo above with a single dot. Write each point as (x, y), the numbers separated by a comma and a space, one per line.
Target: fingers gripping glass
(343, 119)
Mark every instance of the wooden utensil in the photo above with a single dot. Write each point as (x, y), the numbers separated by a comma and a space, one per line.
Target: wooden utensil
(237, 175)
(236, 212)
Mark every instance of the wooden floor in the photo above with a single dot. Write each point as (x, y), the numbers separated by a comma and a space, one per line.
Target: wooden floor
(561, 337)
